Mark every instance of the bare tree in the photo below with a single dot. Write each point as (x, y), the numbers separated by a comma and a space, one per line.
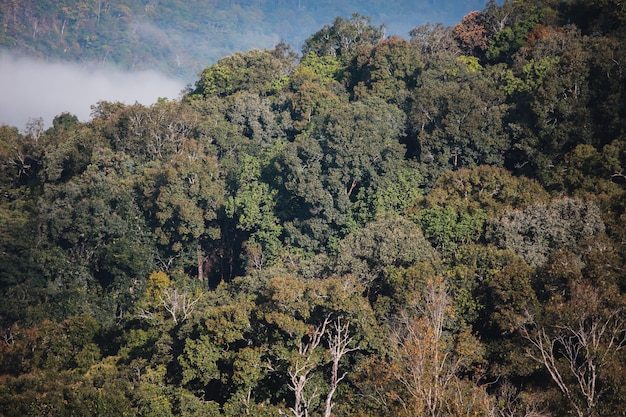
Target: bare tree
(510, 403)
(424, 368)
(35, 129)
(339, 340)
(428, 360)
(576, 351)
(300, 372)
(180, 305)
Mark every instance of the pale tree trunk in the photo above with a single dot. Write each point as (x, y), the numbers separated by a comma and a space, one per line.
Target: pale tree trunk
(200, 255)
(338, 344)
(339, 340)
(180, 305)
(299, 372)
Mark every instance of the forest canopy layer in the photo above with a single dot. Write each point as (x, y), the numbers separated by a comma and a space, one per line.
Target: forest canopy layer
(372, 226)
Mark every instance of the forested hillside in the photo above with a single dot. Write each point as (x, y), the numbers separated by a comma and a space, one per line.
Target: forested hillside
(180, 37)
(374, 226)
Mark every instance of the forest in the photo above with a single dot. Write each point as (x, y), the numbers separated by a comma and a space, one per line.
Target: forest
(370, 226)
(179, 38)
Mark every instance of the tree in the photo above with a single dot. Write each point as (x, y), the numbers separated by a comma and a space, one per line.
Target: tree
(254, 71)
(181, 200)
(253, 209)
(540, 229)
(148, 133)
(178, 304)
(446, 229)
(455, 118)
(544, 128)
(596, 16)
(428, 361)
(68, 152)
(473, 34)
(93, 237)
(391, 242)
(20, 185)
(20, 157)
(485, 188)
(300, 371)
(386, 70)
(510, 298)
(582, 342)
(395, 195)
(312, 326)
(606, 88)
(456, 210)
(314, 88)
(510, 24)
(343, 38)
(434, 39)
(259, 119)
(223, 353)
(492, 290)
(325, 171)
(339, 339)
(511, 401)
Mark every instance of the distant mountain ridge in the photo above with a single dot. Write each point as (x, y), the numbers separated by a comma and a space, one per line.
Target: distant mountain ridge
(180, 38)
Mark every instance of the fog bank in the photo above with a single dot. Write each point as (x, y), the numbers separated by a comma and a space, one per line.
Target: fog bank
(31, 88)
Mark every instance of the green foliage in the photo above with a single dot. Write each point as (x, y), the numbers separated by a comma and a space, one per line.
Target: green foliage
(390, 242)
(386, 70)
(383, 228)
(532, 76)
(260, 120)
(456, 117)
(483, 189)
(314, 88)
(514, 30)
(321, 69)
(182, 201)
(254, 71)
(446, 229)
(199, 361)
(343, 38)
(395, 196)
(510, 296)
(328, 168)
(253, 209)
(552, 113)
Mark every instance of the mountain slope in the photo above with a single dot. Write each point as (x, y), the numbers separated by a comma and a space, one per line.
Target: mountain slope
(180, 38)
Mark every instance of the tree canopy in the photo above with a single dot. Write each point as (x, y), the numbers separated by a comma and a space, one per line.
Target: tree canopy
(378, 226)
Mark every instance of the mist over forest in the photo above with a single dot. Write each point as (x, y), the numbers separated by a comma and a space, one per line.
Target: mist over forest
(34, 89)
(66, 56)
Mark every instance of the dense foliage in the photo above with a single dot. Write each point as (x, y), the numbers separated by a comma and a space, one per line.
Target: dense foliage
(378, 227)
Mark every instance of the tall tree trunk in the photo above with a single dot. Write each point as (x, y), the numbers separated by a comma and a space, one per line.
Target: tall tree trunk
(200, 254)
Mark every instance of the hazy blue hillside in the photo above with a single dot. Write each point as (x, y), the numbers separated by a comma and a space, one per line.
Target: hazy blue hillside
(64, 56)
(180, 38)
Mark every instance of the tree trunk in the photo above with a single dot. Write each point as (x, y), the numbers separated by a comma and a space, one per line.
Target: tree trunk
(200, 254)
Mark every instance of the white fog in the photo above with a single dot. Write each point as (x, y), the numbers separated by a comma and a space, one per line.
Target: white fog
(31, 88)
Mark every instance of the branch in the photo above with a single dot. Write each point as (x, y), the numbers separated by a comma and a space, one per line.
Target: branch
(618, 174)
(175, 303)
